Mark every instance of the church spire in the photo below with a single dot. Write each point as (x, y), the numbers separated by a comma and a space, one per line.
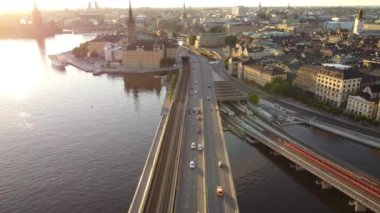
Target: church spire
(131, 26)
(130, 11)
(184, 11)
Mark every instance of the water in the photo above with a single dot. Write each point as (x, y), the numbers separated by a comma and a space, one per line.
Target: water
(265, 183)
(69, 141)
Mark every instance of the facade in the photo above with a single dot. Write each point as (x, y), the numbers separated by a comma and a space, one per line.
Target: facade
(378, 112)
(333, 85)
(210, 40)
(142, 58)
(97, 46)
(232, 29)
(262, 76)
(362, 106)
(112, 53)
(361, 28)
(256, 52)
(307, 78)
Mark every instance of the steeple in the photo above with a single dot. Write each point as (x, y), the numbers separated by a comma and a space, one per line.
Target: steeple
(130, 16)
(131, 26)
(184, 11)
(37, 18)
(260, 5)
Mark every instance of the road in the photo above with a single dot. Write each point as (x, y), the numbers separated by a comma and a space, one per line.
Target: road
(196, 190)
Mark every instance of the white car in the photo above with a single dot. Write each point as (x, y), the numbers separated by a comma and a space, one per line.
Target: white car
(200, 147)
(199, 117)
(195, 82)
(193, 145)
(192, 165)
(208, 97)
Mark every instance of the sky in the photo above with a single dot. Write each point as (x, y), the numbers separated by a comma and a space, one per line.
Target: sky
(25, 5)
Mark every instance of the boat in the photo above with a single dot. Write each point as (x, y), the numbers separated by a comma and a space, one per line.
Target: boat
(57, 63)
(97, 72)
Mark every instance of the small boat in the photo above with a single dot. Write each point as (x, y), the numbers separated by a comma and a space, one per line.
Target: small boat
(57, 63)
(97, 72)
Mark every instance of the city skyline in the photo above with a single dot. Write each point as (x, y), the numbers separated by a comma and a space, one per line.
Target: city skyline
(25, 5)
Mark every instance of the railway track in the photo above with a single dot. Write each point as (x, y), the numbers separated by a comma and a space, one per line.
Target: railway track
(161, 194)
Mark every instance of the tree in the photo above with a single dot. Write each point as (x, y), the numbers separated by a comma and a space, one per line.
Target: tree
(254, 98)
(231, 41)
(192, 39)
(167, 62)
(216, 29)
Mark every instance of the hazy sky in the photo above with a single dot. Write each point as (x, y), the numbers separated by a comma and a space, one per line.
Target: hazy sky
(19, 5)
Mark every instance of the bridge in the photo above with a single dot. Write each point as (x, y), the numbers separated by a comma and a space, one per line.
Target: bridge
(168, 183)
(362, 188)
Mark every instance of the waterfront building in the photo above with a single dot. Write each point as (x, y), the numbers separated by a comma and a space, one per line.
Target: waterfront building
(142, 57)
(112, 52)
(262, 75)
(362, 106)
(334, 85)
(210, 40)
(307, 78)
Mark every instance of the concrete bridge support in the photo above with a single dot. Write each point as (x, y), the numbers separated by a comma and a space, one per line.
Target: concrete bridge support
(323, 184)
(358, 206)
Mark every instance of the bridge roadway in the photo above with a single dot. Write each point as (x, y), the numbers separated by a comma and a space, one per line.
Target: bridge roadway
(197, 187)
(160, 190)
(363, 189)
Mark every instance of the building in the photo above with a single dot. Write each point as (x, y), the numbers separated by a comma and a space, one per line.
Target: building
(131, 26)
(361, 28)
(378, 112)
(262, 75)
(143, 57)
(210, 40)
(256, 52)
(334, 85)
(306, 79)
(238, 28)
(97, 46)
(235, 67)
(362, 106)
(112, 53)
(239, 11)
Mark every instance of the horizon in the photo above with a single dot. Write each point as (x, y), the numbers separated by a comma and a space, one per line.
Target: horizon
(57, 5)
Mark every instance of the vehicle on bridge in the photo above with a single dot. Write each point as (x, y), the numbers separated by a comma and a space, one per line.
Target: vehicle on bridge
(192, 145)
(192, 164)
(219, 191)
(198, 131)
(220, 164)
(200, 147)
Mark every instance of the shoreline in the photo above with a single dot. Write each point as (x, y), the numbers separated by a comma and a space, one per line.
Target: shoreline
(89, 65)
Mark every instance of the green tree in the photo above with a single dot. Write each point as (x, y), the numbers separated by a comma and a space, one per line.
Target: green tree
(191, 39)
(167, 62)
(254, 98)
(231, 41)
(216, 29)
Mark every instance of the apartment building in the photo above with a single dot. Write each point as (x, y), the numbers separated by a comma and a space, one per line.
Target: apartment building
(306, 79)
(262, 75)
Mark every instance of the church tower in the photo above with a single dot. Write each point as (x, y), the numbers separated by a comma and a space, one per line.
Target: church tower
(37, 17)
(358, 23)
(131, 26)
